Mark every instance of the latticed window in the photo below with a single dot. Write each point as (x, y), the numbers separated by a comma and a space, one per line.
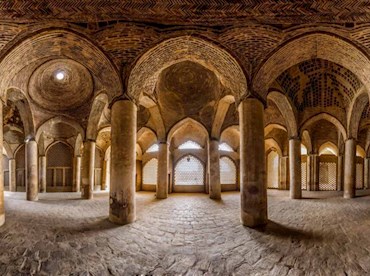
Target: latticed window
(227, 171)
(225, 147)
(190, 145)
(304, 174)
(359, 176)
(273, 170)
(150, 172)
(327, 176)
(189, 171)
(153, 148)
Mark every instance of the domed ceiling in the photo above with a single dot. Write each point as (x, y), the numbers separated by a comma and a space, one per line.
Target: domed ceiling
(61, 85)
(187, 89)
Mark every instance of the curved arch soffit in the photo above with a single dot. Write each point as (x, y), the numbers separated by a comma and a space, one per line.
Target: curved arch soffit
(270, 127)
(182, 48)
(144, 130)
(360, 151)
(85, 51)
(183, 123)
(287, 110)
(17, 96)
(78, 145)
(355, 113)
(329, 118)
(99, 104)
(326, 46)
(7, 150)
(60, 119)
(306, 140)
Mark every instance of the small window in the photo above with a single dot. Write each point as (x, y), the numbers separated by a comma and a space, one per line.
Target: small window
(150, 172)
(303, 150)
(225, 147)
(153, 148)
(190, 145)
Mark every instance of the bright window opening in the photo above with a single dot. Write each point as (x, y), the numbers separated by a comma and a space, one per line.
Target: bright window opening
(190, 145)
(303, 150)
(225, 147)
(189, 171)
(153, 148)
(150, 172)
(227, 171)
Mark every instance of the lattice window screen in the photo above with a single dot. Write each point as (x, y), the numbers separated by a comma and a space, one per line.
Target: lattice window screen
(327, 176)
(273, 170)
(189, 171)
(304, 175)
(150, 172)
(359, 176)
(227, 171)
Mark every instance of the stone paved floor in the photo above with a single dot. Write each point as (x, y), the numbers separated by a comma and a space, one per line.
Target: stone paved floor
(186, 234)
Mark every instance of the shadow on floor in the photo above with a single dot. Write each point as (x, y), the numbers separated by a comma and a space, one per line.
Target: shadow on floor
(282, 231)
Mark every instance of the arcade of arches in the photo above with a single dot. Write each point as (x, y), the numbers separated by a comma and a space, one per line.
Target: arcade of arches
(193, 110)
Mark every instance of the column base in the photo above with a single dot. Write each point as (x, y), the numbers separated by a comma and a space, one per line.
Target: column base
(215, 197)
(160, 197)
(252, 221)
(32, 198)
(86, 193)
(348, 196)
(2, 219)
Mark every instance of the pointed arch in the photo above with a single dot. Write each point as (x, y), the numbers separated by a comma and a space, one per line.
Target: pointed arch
(56, 120)
(181, 124)
(322, 45)
(328, 145)
(306, 140)
(7, 149)
(271, 143)
(327, 117)
(147, 68)
(222, 108)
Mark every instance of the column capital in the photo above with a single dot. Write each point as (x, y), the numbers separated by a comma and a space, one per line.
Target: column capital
(123, 97)
(214, 139)
(251, 95)
(295, 138)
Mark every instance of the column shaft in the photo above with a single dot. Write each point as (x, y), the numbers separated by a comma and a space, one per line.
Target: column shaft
(350, 168)
(139, 174)
(87, 170)
(76, 174)
(32, 171)
(122, 209)
(253, 189)
(2, 208)
(42, 163)
(340, 173)
(162, 181)
(284, 173)
(12, 174)
(214, 170)
(295, 168)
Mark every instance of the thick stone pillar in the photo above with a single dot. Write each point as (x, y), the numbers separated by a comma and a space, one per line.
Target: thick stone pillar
(139, 175)
(284, 173)
(214, 169)
(366, 173)
(122, 206)
(340, 173)
(87, 170)
(162, 181)
(32, 179)
(295, 168)
(253, 188)
(12, 174)
(42, 163)
(76, 174)
(2, 207)
(350, 168)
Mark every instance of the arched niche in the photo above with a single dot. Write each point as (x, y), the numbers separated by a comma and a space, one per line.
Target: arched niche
(228, 174)
(189, 174)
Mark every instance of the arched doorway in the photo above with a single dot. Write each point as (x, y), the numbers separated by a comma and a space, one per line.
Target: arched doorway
(150, 175)
(228, 174)
(328, 159)
(273, 170)
(360, 157)
(20, 163)
(59, 160)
